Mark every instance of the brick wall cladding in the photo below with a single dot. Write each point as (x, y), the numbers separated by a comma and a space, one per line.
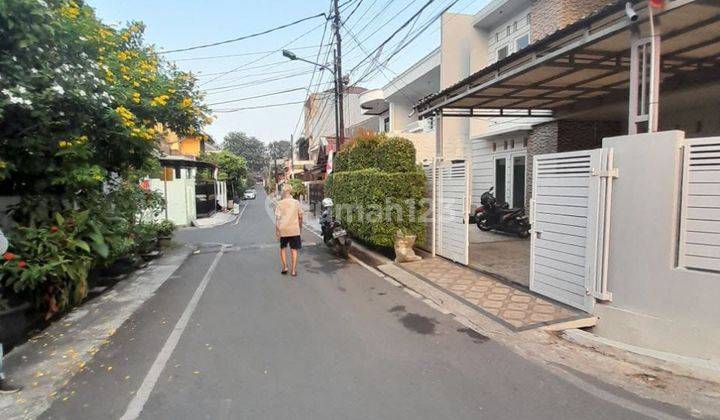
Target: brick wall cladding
(542, 139)
(583, 135)
(565, 136)
(547, 16)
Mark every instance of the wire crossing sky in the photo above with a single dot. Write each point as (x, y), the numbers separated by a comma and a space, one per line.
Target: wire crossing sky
(235, 50)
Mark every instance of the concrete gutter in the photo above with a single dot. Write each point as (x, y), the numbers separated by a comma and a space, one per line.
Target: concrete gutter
(48, 361)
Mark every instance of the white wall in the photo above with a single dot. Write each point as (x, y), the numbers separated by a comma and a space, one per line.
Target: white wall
(655, 304)
(180, 197)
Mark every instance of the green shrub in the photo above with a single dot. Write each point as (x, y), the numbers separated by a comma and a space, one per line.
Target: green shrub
(165, 228)
(395, 154)
(374, 205)
(298, 188)
(358, 153)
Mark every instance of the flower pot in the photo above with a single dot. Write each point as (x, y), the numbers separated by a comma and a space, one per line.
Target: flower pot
(404, 248)
(164, 241)
(149, 256)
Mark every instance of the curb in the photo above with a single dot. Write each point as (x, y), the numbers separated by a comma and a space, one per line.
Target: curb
(696, 367)
(48, 361)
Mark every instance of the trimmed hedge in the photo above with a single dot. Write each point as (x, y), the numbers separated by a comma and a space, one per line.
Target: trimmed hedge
(394, 154)
(373, 204)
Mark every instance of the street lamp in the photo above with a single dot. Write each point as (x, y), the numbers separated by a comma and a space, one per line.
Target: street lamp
(339, 123)
(292, 56)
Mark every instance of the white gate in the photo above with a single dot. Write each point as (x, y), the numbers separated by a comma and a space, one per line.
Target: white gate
(700, 218)
(451, 210)
(570, 216)
(429, 190)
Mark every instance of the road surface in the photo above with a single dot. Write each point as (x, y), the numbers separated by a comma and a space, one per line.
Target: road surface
(228, 337)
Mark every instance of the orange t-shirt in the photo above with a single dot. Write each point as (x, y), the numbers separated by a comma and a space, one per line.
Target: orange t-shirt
(287, 217)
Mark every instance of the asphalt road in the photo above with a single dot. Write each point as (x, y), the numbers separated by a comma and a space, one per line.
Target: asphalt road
(228, 337)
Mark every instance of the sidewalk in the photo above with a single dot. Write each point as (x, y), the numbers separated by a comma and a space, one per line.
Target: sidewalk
(46, 362)
(217, 219)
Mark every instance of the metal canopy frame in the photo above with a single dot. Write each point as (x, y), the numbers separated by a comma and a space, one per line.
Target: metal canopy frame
(588, 60)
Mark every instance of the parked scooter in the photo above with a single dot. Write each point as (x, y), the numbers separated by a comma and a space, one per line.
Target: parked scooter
(493, 216)
(334, 235)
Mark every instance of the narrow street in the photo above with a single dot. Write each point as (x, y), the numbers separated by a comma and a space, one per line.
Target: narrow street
(242, 341)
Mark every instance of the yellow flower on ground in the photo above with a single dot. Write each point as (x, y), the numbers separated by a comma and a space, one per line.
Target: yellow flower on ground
(82, 139)
(63, 144)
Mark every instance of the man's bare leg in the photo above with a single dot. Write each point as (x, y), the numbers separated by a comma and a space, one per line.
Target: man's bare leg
(293, 255)
(283, 259)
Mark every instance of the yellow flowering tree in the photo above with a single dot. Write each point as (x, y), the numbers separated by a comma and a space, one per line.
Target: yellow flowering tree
(80, 99)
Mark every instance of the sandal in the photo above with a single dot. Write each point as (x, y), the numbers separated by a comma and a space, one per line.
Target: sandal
(284, 271)
(294, 274)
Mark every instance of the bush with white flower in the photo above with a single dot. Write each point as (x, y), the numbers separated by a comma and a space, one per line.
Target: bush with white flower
(80, 106)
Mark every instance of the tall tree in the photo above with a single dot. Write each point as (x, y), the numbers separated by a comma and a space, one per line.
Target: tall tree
(250, 148)
(279, 149)
(231, 168)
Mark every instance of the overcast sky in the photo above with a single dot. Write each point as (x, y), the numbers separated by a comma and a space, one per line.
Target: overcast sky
(173, 24)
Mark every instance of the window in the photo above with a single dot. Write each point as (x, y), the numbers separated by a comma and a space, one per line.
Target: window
(515, 26)
(502, 53)
(522, 42)
(507, 30)
(386, 124)
(527, 19)
(497, 36)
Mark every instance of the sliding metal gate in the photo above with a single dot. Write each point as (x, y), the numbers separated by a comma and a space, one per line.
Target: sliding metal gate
(451, 210)
(570, 221)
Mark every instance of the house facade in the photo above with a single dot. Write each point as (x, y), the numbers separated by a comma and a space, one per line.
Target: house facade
(625, 224)
(319, 120)
(390, 108)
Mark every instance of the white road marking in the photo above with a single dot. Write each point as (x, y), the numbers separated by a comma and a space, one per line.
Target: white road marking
(141, 396)
(240, 215)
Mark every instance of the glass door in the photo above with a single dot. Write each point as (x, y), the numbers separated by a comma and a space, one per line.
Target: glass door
(518, 182)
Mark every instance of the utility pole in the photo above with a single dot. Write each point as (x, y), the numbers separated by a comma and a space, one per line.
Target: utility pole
(292, 157)
(339, 84)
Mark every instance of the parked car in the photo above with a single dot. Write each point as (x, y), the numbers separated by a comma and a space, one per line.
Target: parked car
(249, 195)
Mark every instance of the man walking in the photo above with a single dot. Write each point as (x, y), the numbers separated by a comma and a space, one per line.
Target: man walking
(288, 222)
(5, 388)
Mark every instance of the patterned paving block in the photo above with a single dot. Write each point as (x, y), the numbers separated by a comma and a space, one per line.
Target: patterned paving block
(508, 304)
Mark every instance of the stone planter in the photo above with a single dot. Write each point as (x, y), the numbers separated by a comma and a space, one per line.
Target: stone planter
(404, 248)
(164, 241)
(16, 323)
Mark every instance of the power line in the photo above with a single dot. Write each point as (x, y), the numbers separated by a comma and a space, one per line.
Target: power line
(257, 107)
(382, 44)
(257, 96)
(246, 36)
(307, 47)
(264, 56)
(261, 66)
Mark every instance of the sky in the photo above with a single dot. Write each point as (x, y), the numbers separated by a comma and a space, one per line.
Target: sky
(258, 67)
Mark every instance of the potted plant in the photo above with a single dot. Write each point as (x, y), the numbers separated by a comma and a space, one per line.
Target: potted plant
(165, 231)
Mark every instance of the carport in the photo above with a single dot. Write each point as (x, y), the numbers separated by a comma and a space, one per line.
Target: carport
(644, 74)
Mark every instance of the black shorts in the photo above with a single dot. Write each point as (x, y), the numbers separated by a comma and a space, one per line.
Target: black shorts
(294, 241)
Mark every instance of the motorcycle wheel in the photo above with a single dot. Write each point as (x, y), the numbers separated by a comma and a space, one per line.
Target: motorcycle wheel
(482, 224)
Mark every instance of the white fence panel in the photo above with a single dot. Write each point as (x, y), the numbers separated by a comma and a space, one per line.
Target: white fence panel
(427, 244)
(451, 210)
(569, 216)
(699, 245)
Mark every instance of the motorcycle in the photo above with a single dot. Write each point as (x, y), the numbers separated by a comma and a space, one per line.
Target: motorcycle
(333, 233)
(493, 216)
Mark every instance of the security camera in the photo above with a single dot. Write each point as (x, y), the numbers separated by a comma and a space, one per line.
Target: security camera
(630, 12)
